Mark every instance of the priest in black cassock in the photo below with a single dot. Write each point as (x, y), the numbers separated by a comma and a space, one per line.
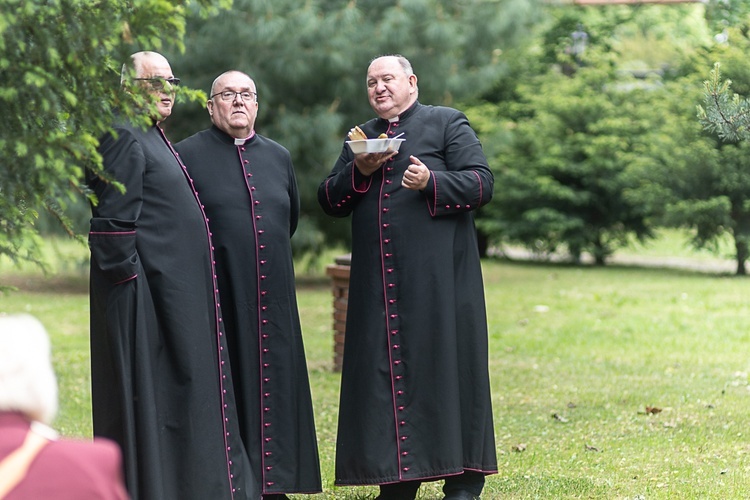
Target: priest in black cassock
(161, 380)
(248, 187)
(415, 394)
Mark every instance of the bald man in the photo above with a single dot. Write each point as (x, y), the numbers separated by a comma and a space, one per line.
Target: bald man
(415, 388)
(248, 187)
(161, 375)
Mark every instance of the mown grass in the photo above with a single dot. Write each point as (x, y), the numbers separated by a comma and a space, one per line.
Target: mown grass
(620, 382)
(577, 357)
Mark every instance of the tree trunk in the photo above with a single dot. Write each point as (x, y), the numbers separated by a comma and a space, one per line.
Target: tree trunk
(484, 242)
(600, 253)
(741, 249)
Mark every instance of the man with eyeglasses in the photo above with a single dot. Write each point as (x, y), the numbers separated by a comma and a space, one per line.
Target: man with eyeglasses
(161, 381)
(247, 185)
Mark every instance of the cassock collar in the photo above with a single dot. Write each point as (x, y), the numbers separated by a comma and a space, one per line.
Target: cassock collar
(405, 115)
(224, 137)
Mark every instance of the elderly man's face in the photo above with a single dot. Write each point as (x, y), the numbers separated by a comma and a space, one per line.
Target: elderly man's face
(389, 89)
(233, 105)
(156, 67)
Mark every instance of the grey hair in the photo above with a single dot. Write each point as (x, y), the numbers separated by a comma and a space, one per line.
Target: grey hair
(27, 380)
(403, 61)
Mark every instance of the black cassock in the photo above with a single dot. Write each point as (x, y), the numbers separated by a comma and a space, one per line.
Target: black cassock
(415, 396)
(250, 196)
(161, 384)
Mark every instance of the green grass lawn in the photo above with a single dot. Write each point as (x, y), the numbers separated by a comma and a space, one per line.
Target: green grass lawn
(582, 360)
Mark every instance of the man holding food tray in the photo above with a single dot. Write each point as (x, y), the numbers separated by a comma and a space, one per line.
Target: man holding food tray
(415, 394)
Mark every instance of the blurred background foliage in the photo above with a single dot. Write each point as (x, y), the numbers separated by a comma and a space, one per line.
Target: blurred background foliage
(60, 66)
(587, 113)
(309, 61)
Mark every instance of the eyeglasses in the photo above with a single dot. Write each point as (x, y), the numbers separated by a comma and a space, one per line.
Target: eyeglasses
(231, 95)
(158, 83)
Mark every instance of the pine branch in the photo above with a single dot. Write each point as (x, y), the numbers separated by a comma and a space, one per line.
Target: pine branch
(725, 114)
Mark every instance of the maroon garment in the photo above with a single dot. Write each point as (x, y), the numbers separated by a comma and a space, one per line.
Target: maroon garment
(64, 469)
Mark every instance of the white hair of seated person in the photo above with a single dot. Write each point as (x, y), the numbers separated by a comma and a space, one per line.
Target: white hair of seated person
(27, 380)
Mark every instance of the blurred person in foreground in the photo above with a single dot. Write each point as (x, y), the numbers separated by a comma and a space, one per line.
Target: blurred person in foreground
(415, 395)
(34, 462)
(248, 186)
(161, 379)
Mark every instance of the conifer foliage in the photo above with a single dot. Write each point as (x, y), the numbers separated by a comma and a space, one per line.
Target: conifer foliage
(60, 62)
(724, 113)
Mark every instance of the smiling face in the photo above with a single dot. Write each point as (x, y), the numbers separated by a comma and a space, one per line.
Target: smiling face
(153, 65)
(390, 89)
(235, 116)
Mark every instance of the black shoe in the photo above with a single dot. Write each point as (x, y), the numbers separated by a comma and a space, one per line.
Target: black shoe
(405, 490)
(463, 486)
(460, 495)
(404, 496)
(275, 496)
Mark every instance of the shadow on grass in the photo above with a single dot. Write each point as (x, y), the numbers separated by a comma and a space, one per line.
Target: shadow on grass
(673, 267)
(79, 283)
(39, 283)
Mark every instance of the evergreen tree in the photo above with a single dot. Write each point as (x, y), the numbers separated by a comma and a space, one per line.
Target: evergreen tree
(565, 179)
(712, 196)
(60, 63)
(309, 61)
(725, 113)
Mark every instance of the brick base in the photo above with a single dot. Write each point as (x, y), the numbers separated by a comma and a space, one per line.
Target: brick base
(339, 273)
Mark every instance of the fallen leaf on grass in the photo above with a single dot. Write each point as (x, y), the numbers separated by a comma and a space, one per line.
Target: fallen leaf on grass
(591, 448)
(653, 410)
(571, 405)
(559, 418)
(520, 447)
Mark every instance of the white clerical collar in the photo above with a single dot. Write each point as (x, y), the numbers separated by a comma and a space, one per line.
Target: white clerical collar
(393, 120)
(241, 142)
